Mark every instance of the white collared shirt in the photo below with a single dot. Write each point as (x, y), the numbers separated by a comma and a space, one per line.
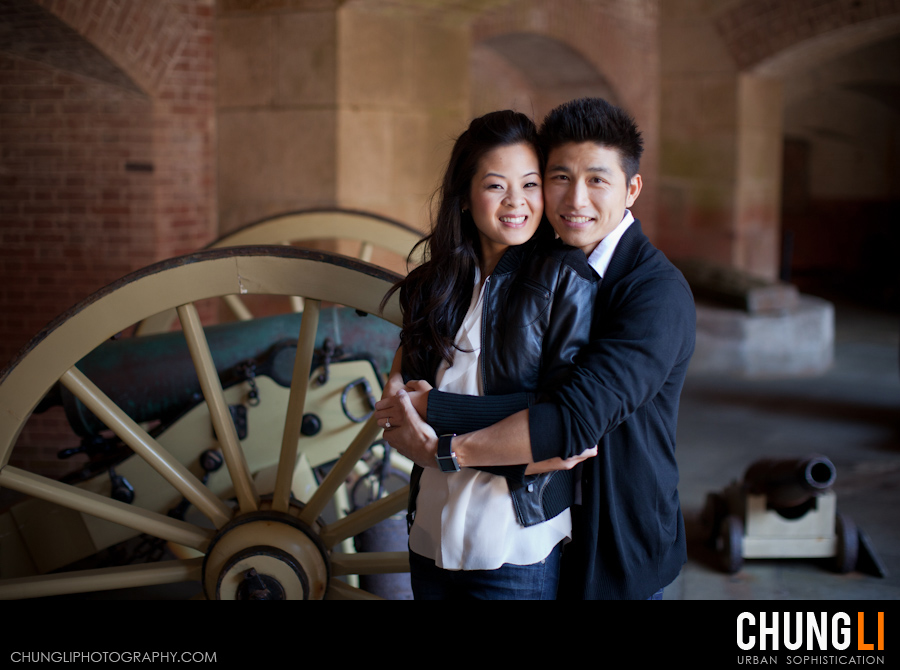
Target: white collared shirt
(601, 256)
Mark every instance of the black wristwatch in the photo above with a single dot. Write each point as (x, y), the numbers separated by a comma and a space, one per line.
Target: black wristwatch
(446, 457)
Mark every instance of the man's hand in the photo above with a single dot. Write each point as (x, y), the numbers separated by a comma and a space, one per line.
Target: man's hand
(405, 431)
(552, 464)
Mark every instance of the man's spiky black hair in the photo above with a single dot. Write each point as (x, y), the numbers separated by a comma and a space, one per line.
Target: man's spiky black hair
(594, 120)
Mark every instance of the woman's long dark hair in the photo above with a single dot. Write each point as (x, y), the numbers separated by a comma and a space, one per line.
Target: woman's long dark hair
(435, 296)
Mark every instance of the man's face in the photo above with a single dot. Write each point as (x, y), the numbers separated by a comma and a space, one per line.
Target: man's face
(585, 192)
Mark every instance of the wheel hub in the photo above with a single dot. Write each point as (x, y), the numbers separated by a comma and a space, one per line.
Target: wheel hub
(266, 556)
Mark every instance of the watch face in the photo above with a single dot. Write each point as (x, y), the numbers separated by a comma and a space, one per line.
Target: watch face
(446, 459)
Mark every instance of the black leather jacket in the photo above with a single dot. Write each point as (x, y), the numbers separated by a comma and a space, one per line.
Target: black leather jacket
(537, 315)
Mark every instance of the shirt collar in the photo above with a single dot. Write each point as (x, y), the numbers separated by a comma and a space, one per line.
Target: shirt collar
(602, 255)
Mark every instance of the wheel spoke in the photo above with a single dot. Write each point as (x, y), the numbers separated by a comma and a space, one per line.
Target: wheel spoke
(80, 500)
(373, 513)
(365, 251)
(244, 488)
(102, 579)
(146, 447)
(237, 307)
(339, 472)
(287, 460)
(370, 563)
(338, 590)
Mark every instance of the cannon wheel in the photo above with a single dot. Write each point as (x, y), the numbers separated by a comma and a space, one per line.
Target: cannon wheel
(369, 230)
(847, 544)
(729, 544)
(258, 546)
(714, 510)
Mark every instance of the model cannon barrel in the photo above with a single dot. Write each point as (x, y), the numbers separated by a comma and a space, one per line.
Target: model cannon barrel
(789, 482)
(168, 382)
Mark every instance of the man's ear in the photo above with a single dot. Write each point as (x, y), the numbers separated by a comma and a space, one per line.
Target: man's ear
(634, 190)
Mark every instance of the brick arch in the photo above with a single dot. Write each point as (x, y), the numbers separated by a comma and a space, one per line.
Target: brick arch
(777, 38)
(531, 73)
(120, 30)
(617, 40)
(29, 31)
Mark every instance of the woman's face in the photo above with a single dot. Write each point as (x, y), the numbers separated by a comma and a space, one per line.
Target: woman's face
(505, 199)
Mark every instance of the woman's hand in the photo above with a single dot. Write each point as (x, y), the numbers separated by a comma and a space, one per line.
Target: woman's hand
(405, 431)
(418, 396)
(395, 379)
(394, 384)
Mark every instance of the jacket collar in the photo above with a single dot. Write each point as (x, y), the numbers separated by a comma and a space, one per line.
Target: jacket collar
(513, 257)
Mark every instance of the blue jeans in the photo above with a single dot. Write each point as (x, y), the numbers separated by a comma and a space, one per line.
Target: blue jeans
(537, 581)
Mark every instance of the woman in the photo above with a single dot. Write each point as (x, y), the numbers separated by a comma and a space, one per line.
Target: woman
(485, 314)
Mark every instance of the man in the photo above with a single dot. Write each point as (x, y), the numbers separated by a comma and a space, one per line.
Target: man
(623, 392)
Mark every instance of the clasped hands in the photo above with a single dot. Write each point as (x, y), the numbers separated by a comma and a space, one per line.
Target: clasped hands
(401, 413)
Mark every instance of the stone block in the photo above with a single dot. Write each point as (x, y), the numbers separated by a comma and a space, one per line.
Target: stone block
(306, 57)
(797, 342)
(730, 287)
(245, 66)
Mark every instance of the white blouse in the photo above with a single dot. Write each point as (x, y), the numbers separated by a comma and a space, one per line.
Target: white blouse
(465, 520)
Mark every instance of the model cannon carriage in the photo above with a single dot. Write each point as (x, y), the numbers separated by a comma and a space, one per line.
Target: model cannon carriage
(233, 443)
(783, 508)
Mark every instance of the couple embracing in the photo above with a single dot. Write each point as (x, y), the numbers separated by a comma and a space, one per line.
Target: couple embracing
(544, 346)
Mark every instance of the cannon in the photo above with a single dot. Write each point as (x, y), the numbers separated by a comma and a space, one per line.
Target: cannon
(254, 517)
(783, 508)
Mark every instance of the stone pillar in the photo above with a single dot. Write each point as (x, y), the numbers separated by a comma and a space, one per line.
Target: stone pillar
(721, 148)
(277, 82)
(336, 105)
(757, 215)
(402, 98)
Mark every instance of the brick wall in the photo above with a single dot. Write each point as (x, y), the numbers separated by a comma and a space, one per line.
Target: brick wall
(77, 201)
(107, 160)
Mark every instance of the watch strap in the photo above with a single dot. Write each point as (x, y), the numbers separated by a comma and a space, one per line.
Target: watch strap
(446, 457)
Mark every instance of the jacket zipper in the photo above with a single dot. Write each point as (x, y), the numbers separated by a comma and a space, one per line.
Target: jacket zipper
(484, 315)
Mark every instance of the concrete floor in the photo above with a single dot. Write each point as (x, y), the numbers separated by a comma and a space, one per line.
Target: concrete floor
(851, 414)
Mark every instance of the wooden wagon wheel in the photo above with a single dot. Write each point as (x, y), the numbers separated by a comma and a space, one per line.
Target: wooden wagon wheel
(370, 230)
(259, 547)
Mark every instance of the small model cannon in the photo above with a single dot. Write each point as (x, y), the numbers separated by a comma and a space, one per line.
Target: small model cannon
(783, 508)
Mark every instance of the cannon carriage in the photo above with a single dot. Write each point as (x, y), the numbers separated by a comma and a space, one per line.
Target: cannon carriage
(231, 443)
